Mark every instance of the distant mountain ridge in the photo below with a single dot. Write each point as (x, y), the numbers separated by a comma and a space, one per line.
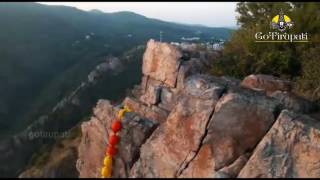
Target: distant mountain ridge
(97, 11)
(47, 51)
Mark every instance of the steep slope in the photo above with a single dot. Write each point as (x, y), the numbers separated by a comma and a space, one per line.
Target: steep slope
(56, 161)
(110, 79)
(46, 51)
(205, 126)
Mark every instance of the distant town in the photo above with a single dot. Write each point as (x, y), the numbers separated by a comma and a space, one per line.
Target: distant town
(195, 42)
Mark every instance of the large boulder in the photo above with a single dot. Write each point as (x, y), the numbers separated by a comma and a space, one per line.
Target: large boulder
(240, 120)
(267, 83)
(176, 142)
(291, 149)
(161, 62)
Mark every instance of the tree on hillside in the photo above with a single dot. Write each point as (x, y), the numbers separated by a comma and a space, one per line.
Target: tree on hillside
(296, 61)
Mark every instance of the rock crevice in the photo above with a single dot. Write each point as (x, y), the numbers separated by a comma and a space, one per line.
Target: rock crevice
(187, 160)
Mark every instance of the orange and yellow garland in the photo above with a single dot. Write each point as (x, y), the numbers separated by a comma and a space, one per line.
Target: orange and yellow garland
(113, 140)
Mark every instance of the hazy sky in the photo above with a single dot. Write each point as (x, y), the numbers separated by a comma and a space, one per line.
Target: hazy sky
(215, 14)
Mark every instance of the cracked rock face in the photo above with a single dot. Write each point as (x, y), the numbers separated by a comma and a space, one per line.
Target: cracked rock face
(237, 125)
(291, 149)
(176, 141)
(187, 124)
(161, 62)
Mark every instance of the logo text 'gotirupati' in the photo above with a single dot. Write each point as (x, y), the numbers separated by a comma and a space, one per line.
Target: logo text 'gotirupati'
(280, 37)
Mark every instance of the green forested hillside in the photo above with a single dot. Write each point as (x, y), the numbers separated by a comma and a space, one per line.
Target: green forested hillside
(298, 62)
(46, 51)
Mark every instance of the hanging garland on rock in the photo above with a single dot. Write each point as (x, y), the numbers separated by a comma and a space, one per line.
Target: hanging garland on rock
(111, 150)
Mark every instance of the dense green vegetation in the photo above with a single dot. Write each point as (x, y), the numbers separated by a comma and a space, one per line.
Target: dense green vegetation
(295, 61)
(46, 51)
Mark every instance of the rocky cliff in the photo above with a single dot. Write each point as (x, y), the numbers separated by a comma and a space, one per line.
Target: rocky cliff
(186, 123)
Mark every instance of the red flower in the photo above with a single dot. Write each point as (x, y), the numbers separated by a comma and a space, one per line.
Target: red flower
(113, 140)
(116, 126)
(111, 150)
